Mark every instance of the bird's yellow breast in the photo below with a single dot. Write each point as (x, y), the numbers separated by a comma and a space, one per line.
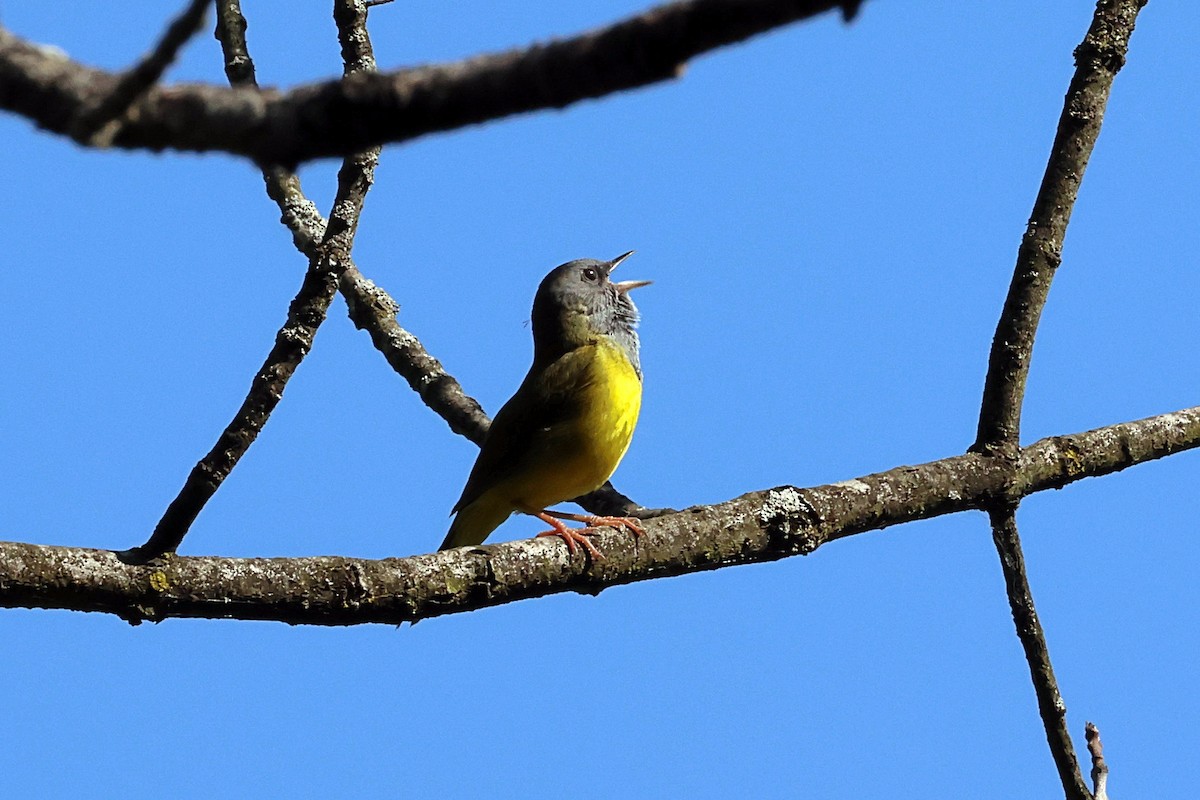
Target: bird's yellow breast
(584, 450)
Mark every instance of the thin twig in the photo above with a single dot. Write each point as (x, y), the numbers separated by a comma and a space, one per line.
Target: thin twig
(308, 309)
(1097, 61)
(758, 527)
(98, 124)
(1099, 765)
(340, 117)
(1033, 640)
(300, 215)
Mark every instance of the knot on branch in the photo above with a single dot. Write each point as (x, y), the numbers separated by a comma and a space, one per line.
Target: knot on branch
(1107, 43)
(789, 520)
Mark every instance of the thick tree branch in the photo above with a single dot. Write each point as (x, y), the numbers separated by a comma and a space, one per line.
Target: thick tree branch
(1097, 61)
(1033, 640)
(341, 117)
(307, 311)
(757, 527)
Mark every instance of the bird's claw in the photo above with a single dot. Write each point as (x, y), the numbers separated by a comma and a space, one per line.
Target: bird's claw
(631, 524)
(573, 536)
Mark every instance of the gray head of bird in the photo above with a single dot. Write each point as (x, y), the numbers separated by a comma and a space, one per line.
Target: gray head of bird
(577, 302)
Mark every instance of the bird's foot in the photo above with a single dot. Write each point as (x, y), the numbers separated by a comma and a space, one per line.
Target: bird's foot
(572, 536)
(631, 524)
(579, 535)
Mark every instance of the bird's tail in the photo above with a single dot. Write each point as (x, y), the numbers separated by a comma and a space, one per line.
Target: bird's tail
(475, 521)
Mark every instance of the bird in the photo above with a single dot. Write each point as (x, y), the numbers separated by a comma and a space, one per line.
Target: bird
(569, 424)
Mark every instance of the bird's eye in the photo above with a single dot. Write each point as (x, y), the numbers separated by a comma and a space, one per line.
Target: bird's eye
(590, 275)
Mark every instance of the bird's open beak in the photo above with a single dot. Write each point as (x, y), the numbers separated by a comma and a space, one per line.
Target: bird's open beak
(625, 286)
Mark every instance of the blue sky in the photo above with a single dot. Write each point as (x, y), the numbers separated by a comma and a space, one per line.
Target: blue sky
(830, 214)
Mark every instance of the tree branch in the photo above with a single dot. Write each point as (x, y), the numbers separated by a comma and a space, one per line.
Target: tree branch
(98, 124)
(308, 309)
(1099, 765)
(1097, 60)
(373, 310)
(761, 526)
(370, 307)
(1033, 641)
(340, 117)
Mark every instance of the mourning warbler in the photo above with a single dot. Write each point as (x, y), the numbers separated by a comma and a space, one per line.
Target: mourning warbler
(569, 424)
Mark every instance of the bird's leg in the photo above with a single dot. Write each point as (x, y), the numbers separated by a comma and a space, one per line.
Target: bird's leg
(631, 524)
(569, 535)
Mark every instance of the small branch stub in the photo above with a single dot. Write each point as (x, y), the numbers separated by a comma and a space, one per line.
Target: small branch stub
(1099, 765)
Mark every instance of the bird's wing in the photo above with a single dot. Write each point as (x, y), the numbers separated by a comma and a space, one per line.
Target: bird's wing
(530, 417)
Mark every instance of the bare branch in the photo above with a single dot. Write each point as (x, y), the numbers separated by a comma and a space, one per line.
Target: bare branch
(98, 124)
(1099, 765)
(300, 215)
(346, 116)
(308, 309)
(1097, 60)
(757, 527)
(292, 343)
(1033, 640)
(373, 310)
(358, 171)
